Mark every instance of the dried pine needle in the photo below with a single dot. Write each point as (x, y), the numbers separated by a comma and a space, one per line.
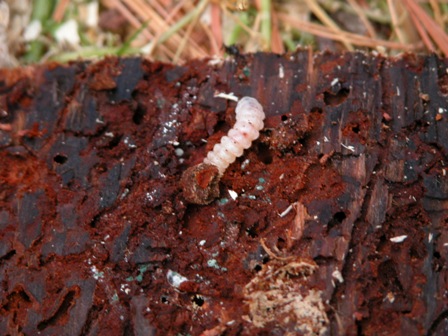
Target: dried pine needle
(178, 30)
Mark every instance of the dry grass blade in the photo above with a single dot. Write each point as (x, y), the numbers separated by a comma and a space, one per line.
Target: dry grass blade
(133, 20)
(402, 23)
(178, 30)
(252, 32)
(216, 28)
(169, 17)
(354, 39)
(194, 22)
(265, 10)
(276, 40)
(170, 36)
(435, 31)
(59, 12)
(147, 13)
(423, 33)
(4, 21)
(358, 10)
(129, 16)
(325, 19)
(437, 13)
(215, 46)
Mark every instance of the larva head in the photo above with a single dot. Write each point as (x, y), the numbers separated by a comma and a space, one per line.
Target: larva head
(200, 183)
(249, 107)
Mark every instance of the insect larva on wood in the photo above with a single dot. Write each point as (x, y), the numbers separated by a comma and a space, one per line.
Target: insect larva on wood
(249, 121)
(200, 183)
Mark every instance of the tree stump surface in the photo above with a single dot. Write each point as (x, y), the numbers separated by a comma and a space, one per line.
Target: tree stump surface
(334, 221)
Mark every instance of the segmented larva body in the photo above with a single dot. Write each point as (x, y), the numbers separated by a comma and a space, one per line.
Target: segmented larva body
(249, 121)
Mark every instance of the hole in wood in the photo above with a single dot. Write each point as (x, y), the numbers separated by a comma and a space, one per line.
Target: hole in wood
(115, 141)
(101, 167)
(388, 274)
(61, 313)
(336, 99)
(198, 300)
(316, 110)
(138, 116)
(61, 159)
(264, 153)
(439, 325)
(281, 243)
(252, 232)
(337, 219)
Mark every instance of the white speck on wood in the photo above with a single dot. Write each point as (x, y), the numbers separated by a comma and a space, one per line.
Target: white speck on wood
(281, 71)
(287, 210)
(350, 148)
(233, 194)
(338, 275)
(175, 279)
(398, 239)
(228, 96)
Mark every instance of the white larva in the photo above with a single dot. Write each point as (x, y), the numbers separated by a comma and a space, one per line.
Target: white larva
(249, 121)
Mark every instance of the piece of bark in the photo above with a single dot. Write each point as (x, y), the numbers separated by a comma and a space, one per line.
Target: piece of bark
(93, 220)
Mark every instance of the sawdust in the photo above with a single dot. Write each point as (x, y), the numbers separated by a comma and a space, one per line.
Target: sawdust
(279, 294)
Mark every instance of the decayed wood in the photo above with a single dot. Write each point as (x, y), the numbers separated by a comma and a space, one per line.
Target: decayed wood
(342, 201)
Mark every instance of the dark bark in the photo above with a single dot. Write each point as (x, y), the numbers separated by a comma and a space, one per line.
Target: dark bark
(342, 205)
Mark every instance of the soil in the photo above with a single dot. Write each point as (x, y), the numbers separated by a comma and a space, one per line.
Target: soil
(333, 222)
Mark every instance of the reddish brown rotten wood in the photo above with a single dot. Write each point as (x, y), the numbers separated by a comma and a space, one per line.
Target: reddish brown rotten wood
(340, 208)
